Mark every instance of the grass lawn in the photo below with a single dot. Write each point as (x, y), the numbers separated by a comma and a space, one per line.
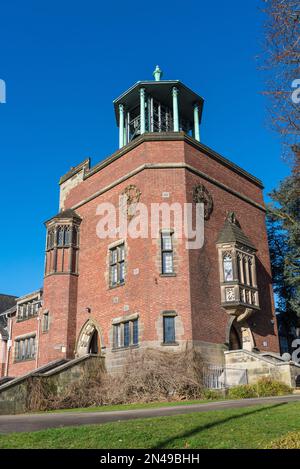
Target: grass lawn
(250, 427)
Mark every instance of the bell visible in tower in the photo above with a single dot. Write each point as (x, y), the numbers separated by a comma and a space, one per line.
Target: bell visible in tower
(162, 106)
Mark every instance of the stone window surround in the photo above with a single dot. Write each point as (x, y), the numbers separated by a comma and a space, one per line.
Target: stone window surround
(54, 226)
(238, 284)
(111, 246)
(169, 313)
(120, 321)
(21, 338)
(169, 231)
(45, 330)
(33, 299)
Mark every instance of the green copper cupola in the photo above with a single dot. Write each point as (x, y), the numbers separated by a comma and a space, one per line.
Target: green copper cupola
(158, 106)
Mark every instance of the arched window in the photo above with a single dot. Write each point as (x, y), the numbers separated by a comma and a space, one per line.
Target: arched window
(227, 267)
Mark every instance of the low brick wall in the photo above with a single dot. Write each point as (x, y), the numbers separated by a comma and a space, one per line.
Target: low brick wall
(15, 397)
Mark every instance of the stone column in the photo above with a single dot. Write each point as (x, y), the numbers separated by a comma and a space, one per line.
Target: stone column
(196, 123)
(121, 126)
(142, 110)
(175, 110)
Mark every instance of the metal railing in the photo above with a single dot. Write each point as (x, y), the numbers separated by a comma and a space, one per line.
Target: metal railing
(219, 377)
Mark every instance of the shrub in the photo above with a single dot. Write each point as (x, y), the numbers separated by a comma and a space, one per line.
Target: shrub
(147, 376)
(265, 387)
(212, 394)
(289, 441)
(244, 391)
(269, 387)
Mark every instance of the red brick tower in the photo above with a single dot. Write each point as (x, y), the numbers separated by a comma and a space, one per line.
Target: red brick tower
(119, 293)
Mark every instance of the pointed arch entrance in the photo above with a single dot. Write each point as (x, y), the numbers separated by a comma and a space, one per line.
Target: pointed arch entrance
(239, 335)
(89, 339)
(235, 342)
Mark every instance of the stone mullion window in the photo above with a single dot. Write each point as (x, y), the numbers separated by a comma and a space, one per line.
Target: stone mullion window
(169, 328)
(253, 272)
(64, 237)
(54, 258)
(167, 253)
(25, 348)
(228, 275)
(117, 265)
(135, 332)
(245, 269)
(240, 267)
(45, 322)
(126, 333)
(250, 272)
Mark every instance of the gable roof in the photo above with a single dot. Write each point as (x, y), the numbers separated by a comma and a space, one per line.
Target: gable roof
(233, 233)
(6, 302)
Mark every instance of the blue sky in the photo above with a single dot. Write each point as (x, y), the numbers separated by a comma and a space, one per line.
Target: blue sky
(64, 62)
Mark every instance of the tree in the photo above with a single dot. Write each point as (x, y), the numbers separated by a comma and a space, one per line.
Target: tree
(283, 62)
(283, 224)
(282, 59)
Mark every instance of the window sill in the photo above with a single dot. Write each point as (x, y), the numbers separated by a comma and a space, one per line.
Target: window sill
(76, 274)
(130, 347)
(240, 303)
(168, 275)
(25, 360)
(112, 287)
(168, 344)
(27, 319)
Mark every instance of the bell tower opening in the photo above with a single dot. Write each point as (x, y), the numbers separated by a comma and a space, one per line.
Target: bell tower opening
(158, 106)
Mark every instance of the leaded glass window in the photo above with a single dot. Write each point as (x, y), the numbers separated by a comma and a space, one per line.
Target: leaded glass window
(25, 348)
(228, 268)
(126, 334)
(117, 265)
(167, 253)
(169, 329)
(135, 332)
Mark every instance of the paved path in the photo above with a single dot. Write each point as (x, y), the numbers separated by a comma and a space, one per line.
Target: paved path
(34, 422)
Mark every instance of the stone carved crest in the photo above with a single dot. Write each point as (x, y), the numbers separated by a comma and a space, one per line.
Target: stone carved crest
(130, 198)
(201, 195)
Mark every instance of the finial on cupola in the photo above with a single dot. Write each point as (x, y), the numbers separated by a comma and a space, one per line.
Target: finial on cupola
(157, 73)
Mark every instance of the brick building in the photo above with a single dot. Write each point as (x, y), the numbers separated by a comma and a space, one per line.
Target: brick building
(115, 294)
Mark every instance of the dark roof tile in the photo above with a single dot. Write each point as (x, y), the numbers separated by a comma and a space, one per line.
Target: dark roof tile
(232, 232)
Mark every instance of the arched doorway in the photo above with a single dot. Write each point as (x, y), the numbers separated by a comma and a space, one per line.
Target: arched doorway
(89, 340)
(94, 343)
(234, 339)
(239, 335)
